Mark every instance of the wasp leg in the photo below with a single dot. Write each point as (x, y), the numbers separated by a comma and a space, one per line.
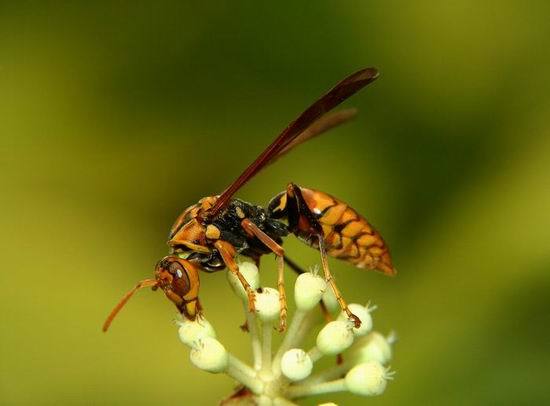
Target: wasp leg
(254, 231)
(330, 280)
(227, 252)
(282, 293)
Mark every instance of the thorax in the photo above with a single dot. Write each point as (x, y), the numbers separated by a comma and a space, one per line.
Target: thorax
(194, 233)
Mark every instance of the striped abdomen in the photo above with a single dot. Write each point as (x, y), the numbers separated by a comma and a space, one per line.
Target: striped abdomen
(348, 236)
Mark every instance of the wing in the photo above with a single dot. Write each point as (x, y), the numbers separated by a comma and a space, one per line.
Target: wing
(342, 91)
(322, 125)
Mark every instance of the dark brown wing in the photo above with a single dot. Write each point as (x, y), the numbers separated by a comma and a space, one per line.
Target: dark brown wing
(322, 125)
(343, 90)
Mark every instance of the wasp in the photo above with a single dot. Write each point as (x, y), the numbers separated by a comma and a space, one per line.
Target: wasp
(209, 235)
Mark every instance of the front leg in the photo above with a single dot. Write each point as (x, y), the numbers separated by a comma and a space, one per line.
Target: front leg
(228, 253)
(254, 231)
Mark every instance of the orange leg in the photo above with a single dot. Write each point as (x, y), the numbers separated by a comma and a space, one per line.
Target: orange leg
(254, 231)
(330, 280)
(227, 252)
(282, 293)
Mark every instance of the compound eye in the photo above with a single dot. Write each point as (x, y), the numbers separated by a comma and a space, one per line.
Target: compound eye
(180, 283)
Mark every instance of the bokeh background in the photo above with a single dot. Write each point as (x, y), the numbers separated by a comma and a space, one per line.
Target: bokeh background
(114, 116)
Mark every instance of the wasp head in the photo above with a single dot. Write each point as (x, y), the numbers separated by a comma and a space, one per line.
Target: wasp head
(179, 280)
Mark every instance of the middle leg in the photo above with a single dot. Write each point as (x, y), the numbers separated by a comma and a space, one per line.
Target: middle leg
(254, 231)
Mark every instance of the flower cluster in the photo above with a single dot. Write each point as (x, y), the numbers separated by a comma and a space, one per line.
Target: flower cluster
(279, 377)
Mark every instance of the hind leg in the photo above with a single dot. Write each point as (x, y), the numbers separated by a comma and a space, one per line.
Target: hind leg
(330, 280)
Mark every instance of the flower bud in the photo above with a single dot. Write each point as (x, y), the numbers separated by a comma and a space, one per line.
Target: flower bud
(296, 364)
(308, 290)
(363, 313)
(367, 379)
(250, 273)
(209, 355)
(335, 337)
(373, 347)
(190, 331)
(267, 304)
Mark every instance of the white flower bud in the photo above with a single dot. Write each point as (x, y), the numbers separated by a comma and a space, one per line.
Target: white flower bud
(250, 273)
(296, 364)
(367, 379)
(190, 331)
(335, 337)
(374, 347)
(330, 300)
(267, 304)
(209, 355)
(363, 313)
(308, 290)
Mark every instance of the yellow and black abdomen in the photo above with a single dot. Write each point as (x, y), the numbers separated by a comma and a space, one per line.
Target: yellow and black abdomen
(348, 235)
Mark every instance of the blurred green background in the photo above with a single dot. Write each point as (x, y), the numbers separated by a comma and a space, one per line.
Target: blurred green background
(115, 116)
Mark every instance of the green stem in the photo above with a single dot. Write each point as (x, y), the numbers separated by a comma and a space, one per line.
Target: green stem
(241, 372)
(267, 328)
(298, 329)
(332, 373)
(254, 338)
(298, 391)
(315, 354)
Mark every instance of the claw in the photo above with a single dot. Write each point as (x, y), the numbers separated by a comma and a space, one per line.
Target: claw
(356, 320)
